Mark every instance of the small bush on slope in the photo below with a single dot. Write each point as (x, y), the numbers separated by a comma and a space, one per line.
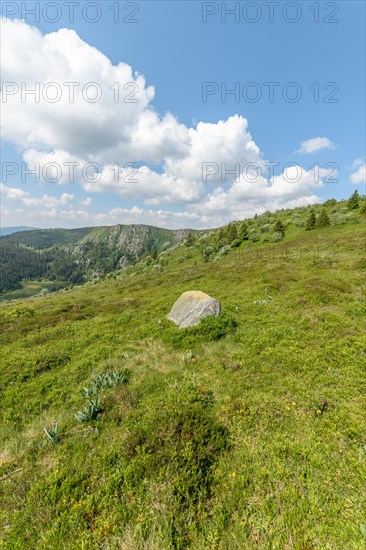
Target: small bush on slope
(209, 329)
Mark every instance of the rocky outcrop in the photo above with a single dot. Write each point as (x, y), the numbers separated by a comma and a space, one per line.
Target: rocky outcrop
(191, 307)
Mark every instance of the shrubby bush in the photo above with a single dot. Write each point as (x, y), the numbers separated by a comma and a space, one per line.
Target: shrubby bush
(330, 202)
(211, 328)
(340, 218)
(221, 244)
(253, 236)
(209, 250)
(265, 228)
(224, 250)
(276, 237)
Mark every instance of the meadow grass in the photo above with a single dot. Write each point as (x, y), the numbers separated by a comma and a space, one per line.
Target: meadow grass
(249, 433)
(29, 289)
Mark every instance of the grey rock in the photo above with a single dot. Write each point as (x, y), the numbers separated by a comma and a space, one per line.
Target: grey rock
(191, 307)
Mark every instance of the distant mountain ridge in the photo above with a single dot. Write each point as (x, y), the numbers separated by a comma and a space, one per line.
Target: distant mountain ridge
(9, 230)
(76, 255)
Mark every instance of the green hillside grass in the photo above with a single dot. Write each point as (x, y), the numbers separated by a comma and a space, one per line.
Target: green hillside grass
(249, 432)
(32, 288)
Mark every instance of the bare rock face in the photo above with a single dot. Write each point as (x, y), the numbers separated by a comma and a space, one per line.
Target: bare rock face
(191, 307)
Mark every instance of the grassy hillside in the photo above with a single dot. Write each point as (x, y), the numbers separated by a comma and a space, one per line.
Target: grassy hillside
(9, 230)
(247, 432)
(46, 238)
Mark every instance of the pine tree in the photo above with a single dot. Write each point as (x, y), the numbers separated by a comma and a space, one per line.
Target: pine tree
(279, 228)
(243, 232)
(353, 201)
(231, 233)
(220, 234)
(323, 219)
(310, 222)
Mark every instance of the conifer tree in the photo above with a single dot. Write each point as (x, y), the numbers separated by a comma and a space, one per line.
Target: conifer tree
(310, 222)
(231, 232)
(353, 200)
(190, 239)
(220, 234)
(243, 232)
(279, 228)
(323, 219)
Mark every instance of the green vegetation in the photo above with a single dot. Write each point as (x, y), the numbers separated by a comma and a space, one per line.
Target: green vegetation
(323, 219)
(74, 256)
(231, 233)
(247, 431)
(311, 221)
(353, 201)
(32, 288)
(190, 239)
(279, 228)
(243, 232)
(51, 433)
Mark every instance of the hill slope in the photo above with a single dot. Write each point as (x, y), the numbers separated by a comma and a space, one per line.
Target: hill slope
(217, 437)
(73, 256)
(9, 230)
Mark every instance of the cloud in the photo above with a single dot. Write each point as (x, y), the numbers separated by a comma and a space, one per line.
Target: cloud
(102, 112)
(13, 193)
(46, 201)
(359, 177)
(74, 123)
(357, 162)
(227, 141)
(315, 144)
(78, 140)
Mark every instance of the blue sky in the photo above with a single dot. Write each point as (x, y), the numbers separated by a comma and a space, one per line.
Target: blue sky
(177, 53)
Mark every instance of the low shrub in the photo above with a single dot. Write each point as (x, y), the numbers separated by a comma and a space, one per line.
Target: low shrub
(253, 237)
(224, 250)
(209, 329)
(265, 228)
(175, 448)
(276, 237)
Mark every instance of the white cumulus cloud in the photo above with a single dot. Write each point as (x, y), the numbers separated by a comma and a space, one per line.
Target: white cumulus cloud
(104, 120)
(314, 145)
(46, 201)
(359, 176)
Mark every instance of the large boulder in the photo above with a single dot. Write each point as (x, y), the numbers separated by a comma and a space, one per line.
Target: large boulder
(191, 307)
